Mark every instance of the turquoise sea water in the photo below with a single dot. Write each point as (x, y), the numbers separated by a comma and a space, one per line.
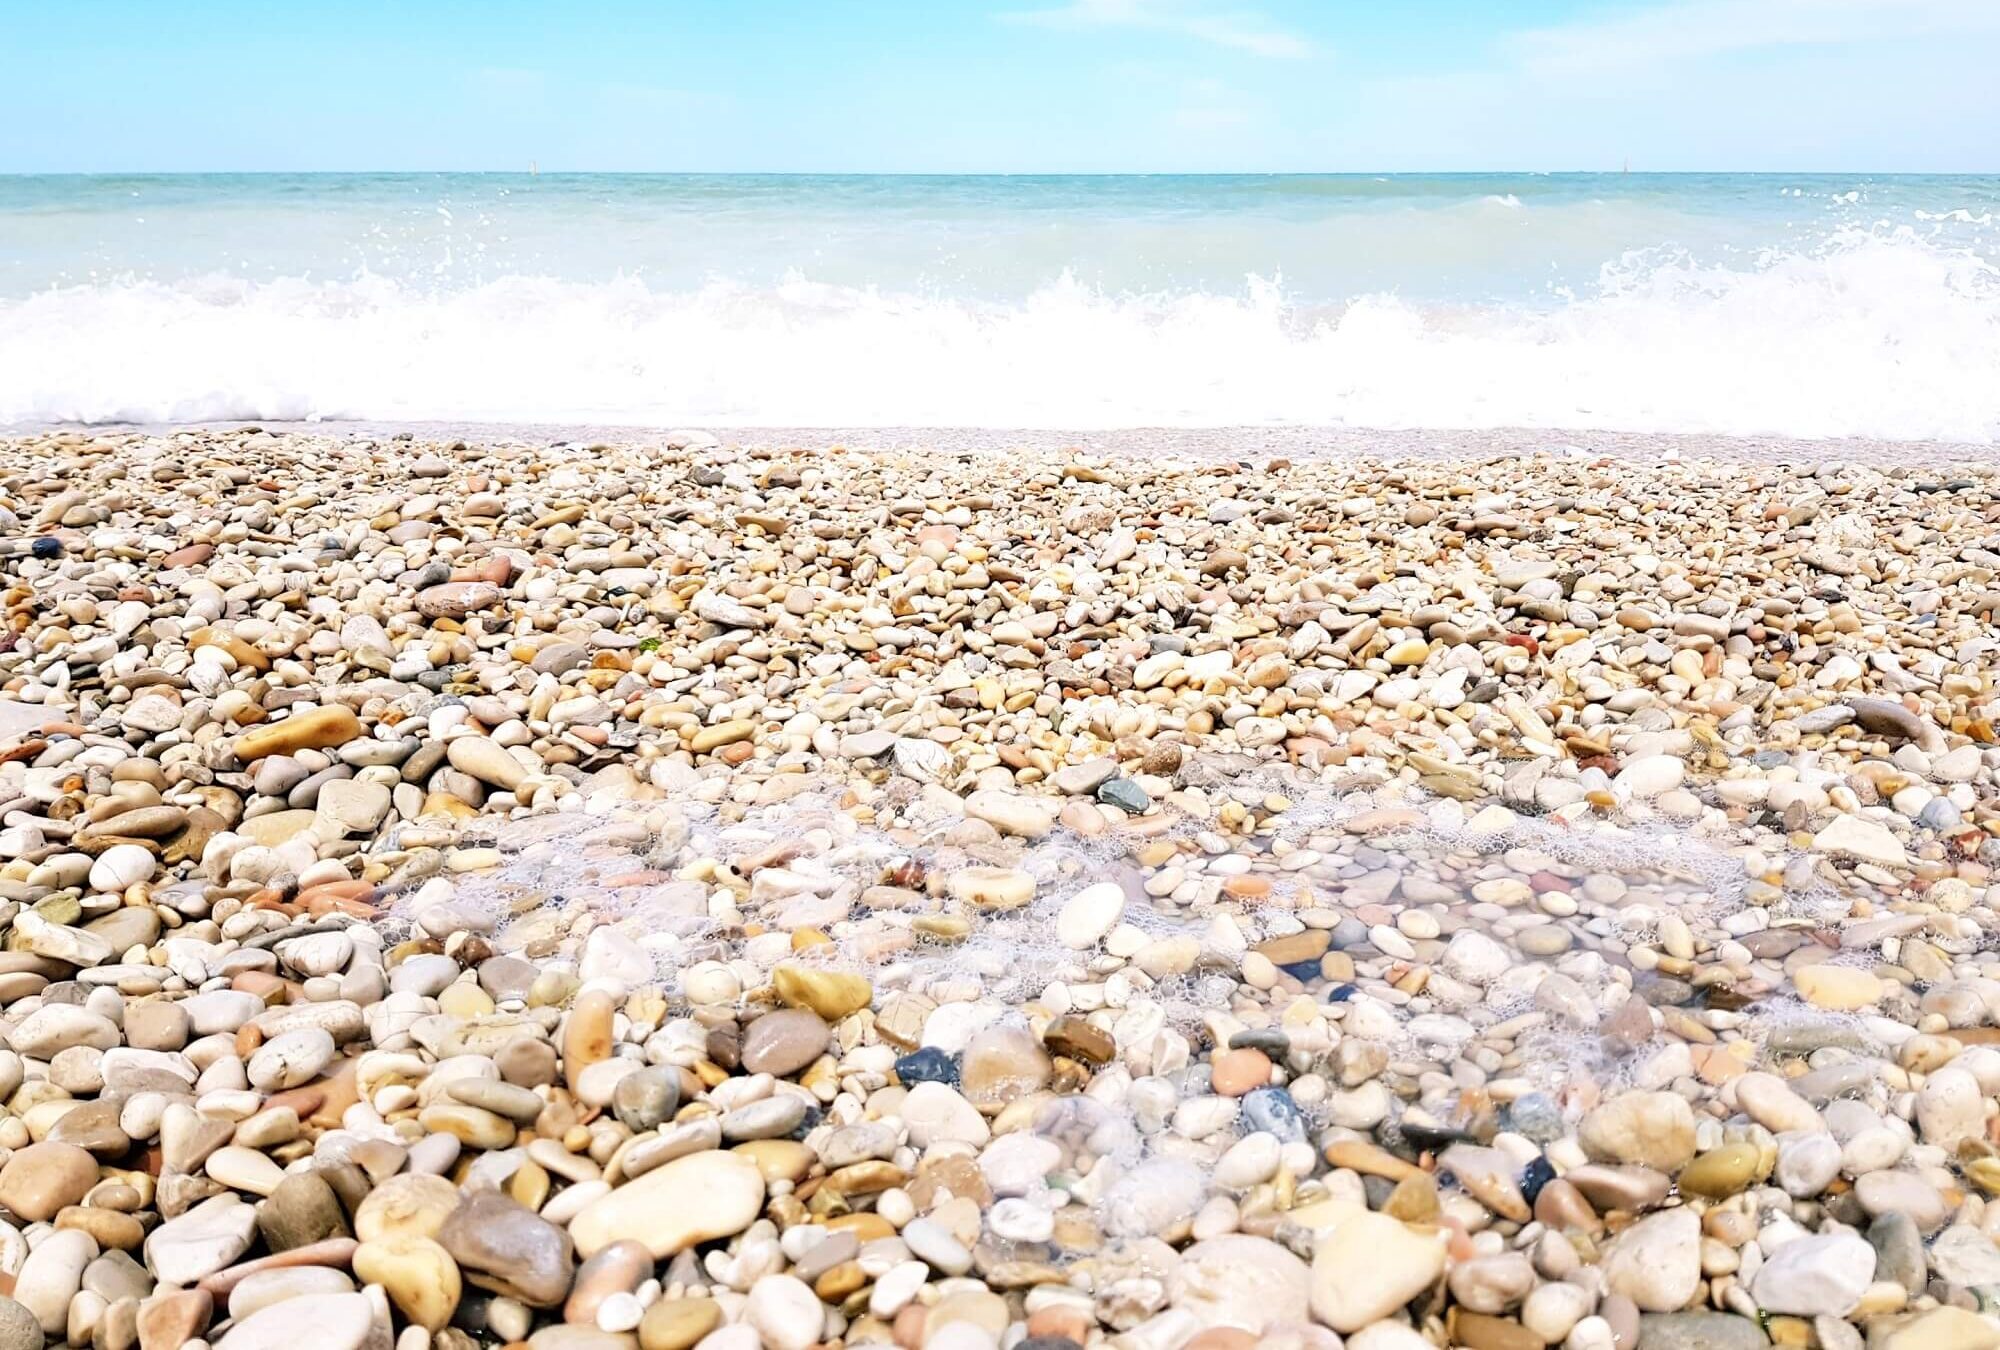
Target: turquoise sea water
(1805, 305)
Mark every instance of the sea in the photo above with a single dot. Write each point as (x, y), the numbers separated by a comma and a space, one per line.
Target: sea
(1736, 305)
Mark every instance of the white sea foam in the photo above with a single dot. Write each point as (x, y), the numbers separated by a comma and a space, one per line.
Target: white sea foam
(1877, 334)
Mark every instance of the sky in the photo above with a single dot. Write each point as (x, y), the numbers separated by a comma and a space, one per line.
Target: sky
(1011, 86)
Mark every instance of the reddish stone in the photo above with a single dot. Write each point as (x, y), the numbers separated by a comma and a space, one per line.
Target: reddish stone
(194, 555)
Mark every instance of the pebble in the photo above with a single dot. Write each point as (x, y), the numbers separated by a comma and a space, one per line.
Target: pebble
(42, 1179)
(783, 1042)
(338, 1322)
(688, 1200)
(504, 1247)
(1087, 917)
(1657, 1261)
(419, 1276)
(906, 901)
(1644, 1129)
(1369, 1265)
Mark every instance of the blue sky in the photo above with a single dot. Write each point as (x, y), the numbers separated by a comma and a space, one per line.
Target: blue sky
(1010, 86)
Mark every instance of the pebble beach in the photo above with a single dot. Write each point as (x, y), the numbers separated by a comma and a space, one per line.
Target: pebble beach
(668, 893)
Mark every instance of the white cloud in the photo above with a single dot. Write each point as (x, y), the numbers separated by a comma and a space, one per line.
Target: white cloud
(1239, 30)
(1692, 29)
(1828, 85)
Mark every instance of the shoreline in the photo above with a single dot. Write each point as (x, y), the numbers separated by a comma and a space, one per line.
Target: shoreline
(1193, 442)
(999, 891)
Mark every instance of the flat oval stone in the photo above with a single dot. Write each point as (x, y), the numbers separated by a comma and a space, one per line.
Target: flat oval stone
(337, 1322)
(509, 1249)
(785, 1041)
(695, 1198)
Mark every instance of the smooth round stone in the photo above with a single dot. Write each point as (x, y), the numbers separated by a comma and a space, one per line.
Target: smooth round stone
(54, 1028)
(992, 888)
(678, 1323)
(424, 974)
(505, 1247)
(1807, 1163)
(409, 1203)
(156, 1026)
(615, 1269)
(51, 1276)
(516, 1103)
(526, 1062)
(786, 1313)
(1552, 1309)
(1087, 917)
(692, 1199)
(419, 1276)
(1771, 1102)
(674, 1141)
(785, 1041)
(1009, 813)
(469, 1124)
(1721, 1171)
(646, 1097)
(1906, 1193)
(1368, 1266)
(244, 1169)
(268, 1287)
(1650, 775)
(830, 993)
(1838, 988)
(337, 1322)
(579, 1339)
(301, 1209)
(120, 867)
(19, 1329)
(42, 1179)
(931, 1241)
(1647, 1129)
(1950, 1107)
(1491, 1285)
(596, 1084)
(778, 1159)
(771, 1118)
(1657, 1261)
(1543, 941)
(587, 1033)
(291, 1059)
(1001, 1063)
(620, 1313)
(1236, 1073)
(1696, 1330)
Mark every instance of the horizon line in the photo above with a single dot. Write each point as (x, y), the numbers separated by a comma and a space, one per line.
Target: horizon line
(989, 173)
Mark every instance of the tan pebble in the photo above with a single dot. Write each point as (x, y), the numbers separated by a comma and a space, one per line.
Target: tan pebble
(410, 1204)
(419, 1276)
(831, 994)
(778, 1159)
(678, 1323)
(837, 1283)
(587, 1033)
(618, 1269)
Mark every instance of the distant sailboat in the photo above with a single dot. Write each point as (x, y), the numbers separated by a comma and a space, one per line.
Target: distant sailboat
(534, 168)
